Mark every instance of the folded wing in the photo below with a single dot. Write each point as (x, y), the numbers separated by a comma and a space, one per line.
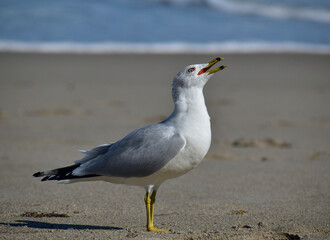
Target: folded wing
(141, 153)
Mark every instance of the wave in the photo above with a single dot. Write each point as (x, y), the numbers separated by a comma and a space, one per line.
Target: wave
(163, 48)
(273, 10)
(279, 10)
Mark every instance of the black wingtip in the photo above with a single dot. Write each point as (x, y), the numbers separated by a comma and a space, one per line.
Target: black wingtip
(45, 179)
(38, 174)
(61, 174)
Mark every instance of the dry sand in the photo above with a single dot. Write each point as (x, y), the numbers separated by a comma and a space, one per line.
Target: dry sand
(267, 175)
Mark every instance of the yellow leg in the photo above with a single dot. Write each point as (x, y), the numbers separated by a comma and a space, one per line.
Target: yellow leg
(150, 205)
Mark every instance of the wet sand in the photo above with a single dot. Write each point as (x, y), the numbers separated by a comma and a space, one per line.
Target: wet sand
(266, 175)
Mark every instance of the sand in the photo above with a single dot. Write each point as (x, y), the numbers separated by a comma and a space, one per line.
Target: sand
(266, 175)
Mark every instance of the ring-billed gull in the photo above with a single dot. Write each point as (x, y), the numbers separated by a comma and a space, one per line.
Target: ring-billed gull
(150, 155)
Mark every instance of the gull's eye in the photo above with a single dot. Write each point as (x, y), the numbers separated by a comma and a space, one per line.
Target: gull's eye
(190, 70)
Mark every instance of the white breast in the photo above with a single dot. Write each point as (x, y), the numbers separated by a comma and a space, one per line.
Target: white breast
(197, 132)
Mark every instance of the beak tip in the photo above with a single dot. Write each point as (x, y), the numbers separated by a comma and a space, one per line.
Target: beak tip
(211, 63)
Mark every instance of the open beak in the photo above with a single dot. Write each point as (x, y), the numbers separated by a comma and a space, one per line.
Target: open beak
(214, 61)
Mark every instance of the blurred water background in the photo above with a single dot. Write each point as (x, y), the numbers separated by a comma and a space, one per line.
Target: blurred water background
(165, 25)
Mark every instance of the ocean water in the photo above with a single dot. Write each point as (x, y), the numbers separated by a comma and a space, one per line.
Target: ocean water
(165, 25)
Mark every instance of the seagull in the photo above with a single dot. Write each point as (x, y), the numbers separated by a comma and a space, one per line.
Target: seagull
(150, 155)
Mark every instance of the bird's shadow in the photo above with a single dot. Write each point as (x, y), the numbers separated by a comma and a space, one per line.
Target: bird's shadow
(45, 225)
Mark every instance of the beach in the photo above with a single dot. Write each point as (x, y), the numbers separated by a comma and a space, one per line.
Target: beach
(266, 175)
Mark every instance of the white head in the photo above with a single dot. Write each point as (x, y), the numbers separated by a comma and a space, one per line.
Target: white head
(195, 75)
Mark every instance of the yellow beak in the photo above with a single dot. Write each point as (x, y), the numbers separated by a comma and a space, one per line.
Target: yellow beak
(211, 63)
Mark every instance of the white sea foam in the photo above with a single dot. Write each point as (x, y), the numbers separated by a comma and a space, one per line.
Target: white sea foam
(273, 10)
(167, 48)
(277, 9)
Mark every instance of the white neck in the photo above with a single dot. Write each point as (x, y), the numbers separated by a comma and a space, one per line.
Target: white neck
(189, 102)
(191, 119)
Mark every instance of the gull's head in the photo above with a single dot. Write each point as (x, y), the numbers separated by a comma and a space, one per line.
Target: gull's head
(196, 75)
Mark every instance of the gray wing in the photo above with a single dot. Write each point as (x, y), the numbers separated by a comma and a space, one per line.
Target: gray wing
(94, 153)
(141, 153)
